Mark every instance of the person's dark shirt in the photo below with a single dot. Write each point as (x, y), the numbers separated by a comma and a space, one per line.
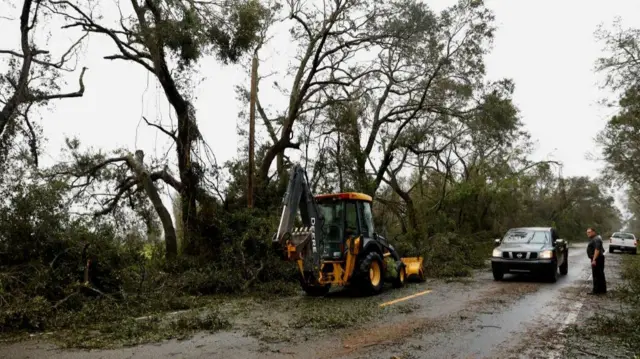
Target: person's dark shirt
(595, 243)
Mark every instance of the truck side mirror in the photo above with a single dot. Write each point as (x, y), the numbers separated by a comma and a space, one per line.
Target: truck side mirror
(559, 242)
(496, 242)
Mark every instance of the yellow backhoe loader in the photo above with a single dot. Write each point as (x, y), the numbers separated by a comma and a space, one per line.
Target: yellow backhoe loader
(337, 244)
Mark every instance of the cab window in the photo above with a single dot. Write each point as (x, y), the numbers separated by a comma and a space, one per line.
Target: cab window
(351, 219)
(367, 227)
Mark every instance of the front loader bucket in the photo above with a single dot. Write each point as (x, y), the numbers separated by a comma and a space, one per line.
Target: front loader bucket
(413, 268)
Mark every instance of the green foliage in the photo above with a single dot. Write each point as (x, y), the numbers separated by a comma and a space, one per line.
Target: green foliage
(178, 35)
(231, 32)
(190, 30)
(621, 48)
(390, 264)
(620, 138)
(44, 252)
(240, 31)
(446, 254)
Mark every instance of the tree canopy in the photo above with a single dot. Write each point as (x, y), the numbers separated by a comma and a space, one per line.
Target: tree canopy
(619, 139)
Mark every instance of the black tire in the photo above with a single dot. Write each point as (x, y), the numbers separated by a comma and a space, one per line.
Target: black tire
(552, 274)
(497, 274)
(316, 290)
(564, 268)
(401, 278)
(634, 252)
(611, 249)
(371, 279)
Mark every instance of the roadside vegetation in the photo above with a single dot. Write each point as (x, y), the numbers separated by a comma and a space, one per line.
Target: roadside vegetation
(614, 327)
(622, 326)
(611, 326)
(87, 245)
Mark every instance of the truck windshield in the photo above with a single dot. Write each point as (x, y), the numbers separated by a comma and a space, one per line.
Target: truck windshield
(526, 236)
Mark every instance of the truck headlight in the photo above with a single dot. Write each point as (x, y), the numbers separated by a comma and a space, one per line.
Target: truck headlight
(497, 253)
(546, 255)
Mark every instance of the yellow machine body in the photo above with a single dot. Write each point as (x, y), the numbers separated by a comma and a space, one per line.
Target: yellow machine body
(342, 270)
(338, 272)
(413, 267)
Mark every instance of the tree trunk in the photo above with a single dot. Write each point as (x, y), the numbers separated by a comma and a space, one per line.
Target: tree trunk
(11, 106)
(339, 165)
(277, 150)
(408, 201)
(170, 238)
(411, 211)
(187, 133)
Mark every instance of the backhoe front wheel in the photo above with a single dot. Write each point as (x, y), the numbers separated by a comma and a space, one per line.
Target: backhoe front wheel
(399, 280)
(372, 276)
(316, 290)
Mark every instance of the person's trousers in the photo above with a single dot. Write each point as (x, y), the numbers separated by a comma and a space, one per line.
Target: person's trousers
(599, 281)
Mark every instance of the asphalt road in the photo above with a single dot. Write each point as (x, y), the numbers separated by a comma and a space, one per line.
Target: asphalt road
(519, 317)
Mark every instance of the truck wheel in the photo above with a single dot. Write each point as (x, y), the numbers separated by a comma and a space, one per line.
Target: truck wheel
(497, 274)
(398, 282)
(372, 278)
(564, 268)
(634, 251)
(611, 249)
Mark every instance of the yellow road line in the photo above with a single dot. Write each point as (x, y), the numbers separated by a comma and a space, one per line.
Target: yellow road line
(405, 298)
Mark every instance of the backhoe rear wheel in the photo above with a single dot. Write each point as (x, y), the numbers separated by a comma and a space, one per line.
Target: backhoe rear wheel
(372, 276)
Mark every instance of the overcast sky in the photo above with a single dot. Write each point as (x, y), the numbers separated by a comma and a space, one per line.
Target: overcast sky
(547, 47)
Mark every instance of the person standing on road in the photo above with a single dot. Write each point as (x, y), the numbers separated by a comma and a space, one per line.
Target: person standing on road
(595, 251)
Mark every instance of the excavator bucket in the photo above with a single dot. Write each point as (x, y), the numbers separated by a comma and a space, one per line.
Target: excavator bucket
(413, 268)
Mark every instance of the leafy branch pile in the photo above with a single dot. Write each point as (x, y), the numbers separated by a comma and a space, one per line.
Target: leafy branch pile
(386, 98)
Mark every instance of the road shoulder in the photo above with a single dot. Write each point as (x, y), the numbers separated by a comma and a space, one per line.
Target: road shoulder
(604, 326)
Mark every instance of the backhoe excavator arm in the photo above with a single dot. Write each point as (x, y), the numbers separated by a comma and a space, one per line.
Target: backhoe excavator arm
(307, 240)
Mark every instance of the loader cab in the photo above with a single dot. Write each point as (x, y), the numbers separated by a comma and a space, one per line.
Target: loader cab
(345, 215)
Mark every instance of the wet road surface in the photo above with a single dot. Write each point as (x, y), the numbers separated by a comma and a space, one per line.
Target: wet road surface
(519, 317)
(509, 323)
